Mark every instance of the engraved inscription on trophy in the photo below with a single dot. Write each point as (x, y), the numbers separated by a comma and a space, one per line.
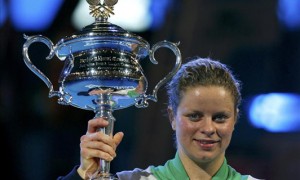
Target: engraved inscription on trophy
(106, 64)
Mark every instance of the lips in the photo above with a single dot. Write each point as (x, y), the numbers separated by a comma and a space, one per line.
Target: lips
(207, 144)
(207, 141)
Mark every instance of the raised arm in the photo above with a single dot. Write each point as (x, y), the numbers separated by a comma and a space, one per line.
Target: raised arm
(95, 145)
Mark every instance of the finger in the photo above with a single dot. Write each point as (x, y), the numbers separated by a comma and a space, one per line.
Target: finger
(89, 153)
(98, 136)
(95, 124)
(118, 138)
(99, 141)
(102, 148)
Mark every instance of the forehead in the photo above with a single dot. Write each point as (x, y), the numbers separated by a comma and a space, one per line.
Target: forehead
(207, 95)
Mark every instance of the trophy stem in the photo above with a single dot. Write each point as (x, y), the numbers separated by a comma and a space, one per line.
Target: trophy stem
(104, 110)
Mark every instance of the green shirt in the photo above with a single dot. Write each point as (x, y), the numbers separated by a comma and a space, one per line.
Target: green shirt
(173, 169)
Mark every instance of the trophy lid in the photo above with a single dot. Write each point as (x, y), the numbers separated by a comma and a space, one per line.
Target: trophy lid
(102, 34)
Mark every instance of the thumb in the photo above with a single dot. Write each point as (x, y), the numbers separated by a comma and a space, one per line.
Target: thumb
(118, 138)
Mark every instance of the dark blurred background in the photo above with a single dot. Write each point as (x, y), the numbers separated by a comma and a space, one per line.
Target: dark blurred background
(260, 40)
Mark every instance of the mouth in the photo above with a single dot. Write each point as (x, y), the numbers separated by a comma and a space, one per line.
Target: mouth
(207, 144)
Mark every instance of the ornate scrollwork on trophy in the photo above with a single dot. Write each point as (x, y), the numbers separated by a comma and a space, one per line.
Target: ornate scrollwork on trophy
(102, 9)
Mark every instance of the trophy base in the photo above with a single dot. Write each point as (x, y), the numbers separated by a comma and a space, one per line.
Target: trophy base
(104, 177)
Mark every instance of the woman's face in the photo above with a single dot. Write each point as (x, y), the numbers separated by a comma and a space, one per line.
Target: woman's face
(204, 123)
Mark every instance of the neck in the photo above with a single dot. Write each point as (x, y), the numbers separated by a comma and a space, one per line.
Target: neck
(200, 170)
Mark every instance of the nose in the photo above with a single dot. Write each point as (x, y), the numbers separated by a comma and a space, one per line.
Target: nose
(208, 127)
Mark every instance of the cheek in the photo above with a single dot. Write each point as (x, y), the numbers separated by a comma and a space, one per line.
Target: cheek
(184, 132)
(185, 126)
(225, 131)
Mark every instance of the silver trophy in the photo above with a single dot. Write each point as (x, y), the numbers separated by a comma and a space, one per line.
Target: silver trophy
(102, 71)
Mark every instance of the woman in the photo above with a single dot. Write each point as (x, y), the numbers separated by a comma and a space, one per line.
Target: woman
(204, 98)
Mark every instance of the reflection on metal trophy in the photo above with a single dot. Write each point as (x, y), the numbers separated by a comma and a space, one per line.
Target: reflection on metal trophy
(101, 72)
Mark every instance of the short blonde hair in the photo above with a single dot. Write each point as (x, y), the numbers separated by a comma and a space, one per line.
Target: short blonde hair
(204, 72)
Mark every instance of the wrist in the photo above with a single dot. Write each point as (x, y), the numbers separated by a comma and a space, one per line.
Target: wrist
(82, 173)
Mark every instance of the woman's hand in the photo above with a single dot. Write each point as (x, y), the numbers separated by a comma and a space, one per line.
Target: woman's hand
(95, 145)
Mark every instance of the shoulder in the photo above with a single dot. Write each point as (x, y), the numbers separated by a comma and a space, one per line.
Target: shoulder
(136, 174)
(73, 175)
(233, 174)
(252, 178)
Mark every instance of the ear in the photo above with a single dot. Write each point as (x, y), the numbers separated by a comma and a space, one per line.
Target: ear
(236, 117)
(172, 118)
(237, 114)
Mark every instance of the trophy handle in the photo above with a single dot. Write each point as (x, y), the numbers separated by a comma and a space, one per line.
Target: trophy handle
(142, 101)
(33, 68)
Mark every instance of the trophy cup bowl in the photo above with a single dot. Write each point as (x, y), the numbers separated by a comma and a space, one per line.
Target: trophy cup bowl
(102, 70)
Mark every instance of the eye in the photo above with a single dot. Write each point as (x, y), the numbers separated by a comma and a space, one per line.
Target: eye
(220, 118)
(194, 117)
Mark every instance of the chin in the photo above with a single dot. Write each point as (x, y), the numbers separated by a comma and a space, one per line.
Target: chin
(206, 157)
